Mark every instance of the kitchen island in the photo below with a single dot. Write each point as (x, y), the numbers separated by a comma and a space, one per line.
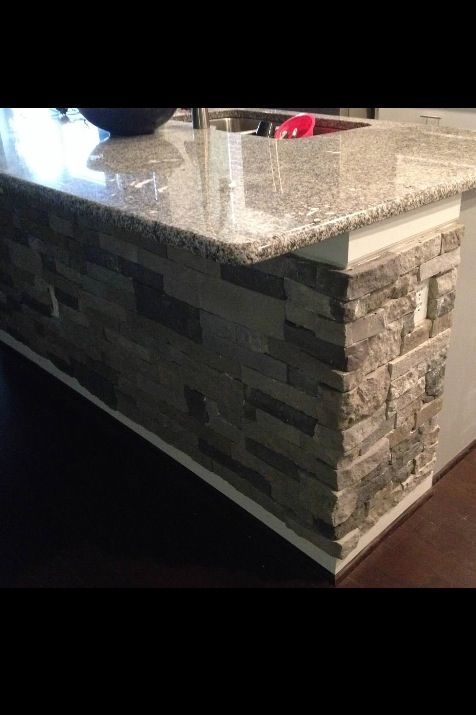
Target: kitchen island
(274, 315)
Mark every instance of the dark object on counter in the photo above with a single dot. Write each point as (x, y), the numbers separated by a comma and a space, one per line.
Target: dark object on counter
(62, 111)
(127, 122)
(265, 129)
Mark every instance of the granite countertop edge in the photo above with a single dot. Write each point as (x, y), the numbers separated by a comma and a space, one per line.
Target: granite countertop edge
(245, 253)
(245, 250)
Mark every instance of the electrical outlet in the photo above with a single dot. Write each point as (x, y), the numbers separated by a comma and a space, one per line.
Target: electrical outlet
(421, 302)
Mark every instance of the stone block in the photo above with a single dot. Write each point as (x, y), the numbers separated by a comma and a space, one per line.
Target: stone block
(396, 309)
(403, 384)
(278, 267)
(301, 296)
(344, 334)
(140, 274)
(282, 411)
(338, 549)
(423, 353)
(154, 261)
(239, 334)
(342, 410)
(300, 270)
(360, 307)
(428, 411)
(110, 277)
(279, 391)
(311, 369)
(97, 256)
(430, 439)
(379, 454)
(384, 430)
(304, 381)
(123, 344)
(227, 392)
(101, 311)
(264, 364)
(251, 476)
(418, 251)
(355, 282)
(373, 483)
(118, 247)
(418, 336)
(268, 423)
(259, 313)
(439, 325)
(407, 415)
(445, 283)
(437, 307)
(95, 383)
(441, 264)
(69, 273)
(332, 507)
(350, 439)
(404, 285)
(254, 280)
(451, 238)
(383, 347)
(326, 452)
(67, 298)
(381, 502)
(278, 461)
(61, 225)
(197, 263)
(425, 457)
(346, 359)
(174, 314)
(25, 258)
(408, 324)
(107, 292)
(435, 381)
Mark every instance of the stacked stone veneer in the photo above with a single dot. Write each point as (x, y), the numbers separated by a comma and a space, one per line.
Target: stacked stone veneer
(308, 388)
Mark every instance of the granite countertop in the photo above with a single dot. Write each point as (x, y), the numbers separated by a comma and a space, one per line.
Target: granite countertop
(234, 198)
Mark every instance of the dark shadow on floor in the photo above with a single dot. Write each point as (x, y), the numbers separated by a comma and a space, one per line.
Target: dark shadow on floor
(84, 502)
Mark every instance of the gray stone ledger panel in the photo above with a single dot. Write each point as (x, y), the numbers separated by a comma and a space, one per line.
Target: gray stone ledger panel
(309, 389)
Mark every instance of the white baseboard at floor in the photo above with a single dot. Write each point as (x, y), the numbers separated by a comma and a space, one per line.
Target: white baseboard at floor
(330, 563)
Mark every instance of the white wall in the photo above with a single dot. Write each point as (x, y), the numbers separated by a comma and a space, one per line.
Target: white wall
(458, 418)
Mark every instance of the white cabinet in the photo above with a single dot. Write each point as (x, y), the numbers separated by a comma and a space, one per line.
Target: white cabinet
(463, 118)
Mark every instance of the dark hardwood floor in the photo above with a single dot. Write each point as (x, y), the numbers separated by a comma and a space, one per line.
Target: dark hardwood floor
(85, 503)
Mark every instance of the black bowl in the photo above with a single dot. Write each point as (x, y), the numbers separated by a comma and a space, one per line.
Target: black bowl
(127, 122)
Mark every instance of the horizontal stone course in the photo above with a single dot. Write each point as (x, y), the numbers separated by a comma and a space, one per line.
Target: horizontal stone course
(355, 282)
(254, 280)
(420, 250)
(441, 264)
(345, 359)
(308, 388)
(420, 354)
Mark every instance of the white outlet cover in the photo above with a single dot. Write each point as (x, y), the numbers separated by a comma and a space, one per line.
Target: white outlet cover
(421, 311)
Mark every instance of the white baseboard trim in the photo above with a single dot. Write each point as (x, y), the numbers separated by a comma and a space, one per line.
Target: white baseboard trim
(330, 563)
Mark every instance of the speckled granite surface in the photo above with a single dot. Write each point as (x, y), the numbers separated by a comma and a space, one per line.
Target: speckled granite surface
(234, 198)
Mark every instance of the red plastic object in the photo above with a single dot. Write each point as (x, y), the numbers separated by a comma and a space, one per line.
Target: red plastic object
(303, 123)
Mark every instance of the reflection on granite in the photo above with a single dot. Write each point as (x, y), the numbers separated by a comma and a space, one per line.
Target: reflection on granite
(231, 197)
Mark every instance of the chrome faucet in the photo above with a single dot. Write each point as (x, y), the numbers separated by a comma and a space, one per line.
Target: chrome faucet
(200, 118)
